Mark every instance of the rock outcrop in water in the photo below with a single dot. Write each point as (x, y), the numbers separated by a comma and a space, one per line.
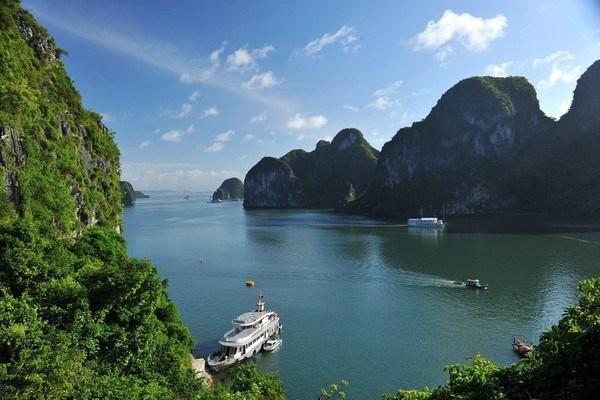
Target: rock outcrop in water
(230, 189)
(326, 177)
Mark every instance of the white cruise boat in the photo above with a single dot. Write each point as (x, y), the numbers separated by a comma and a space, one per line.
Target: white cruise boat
(250, 331)
(427, 222)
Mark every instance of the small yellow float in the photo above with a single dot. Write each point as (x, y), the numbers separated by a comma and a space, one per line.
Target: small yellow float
(249, 283)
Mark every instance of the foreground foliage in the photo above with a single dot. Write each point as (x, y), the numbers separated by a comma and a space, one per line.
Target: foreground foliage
(566, 364)
(78, 317)
(84, 320)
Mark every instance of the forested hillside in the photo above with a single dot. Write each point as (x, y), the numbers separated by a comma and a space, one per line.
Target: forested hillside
(78, 317)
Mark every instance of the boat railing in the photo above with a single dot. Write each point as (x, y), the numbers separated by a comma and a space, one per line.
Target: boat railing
(237, 335)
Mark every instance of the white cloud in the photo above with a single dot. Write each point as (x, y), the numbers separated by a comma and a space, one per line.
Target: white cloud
(215, 147)
(159, 53)
(107, 118)
(263, 52)
(557, 56)
(184, 111)
(346, 36)
(259, 118)
(499, 70)
(246, 60)
(175, 135)
(300, 122)
(194, 74)
(176, 176)
(261, 81)
(145, 143)
(351, 108)
(388, 90)
(561, 109)
(225, 136)
(565, 74)
(451, 29)
(194, 96)
(560, 70)
(240, 60)
(383, 103)
(210, 112)
(215, 56)
(248, 136)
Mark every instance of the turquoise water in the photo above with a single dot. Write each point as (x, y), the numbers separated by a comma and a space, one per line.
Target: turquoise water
(367, 301)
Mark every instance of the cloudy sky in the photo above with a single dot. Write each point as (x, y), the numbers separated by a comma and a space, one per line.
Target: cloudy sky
(199, 91)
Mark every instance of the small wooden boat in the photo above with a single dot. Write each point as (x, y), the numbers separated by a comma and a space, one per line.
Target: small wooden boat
(249, 283)
(522, 346)
(272, 343)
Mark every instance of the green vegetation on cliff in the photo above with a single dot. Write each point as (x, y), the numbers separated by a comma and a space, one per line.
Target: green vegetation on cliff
(231, 188)
(78, 317)
(83, 320)
(326, 172)
(58, 159)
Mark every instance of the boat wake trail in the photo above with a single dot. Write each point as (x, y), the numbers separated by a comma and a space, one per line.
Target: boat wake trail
(573, 238)
(410, 278)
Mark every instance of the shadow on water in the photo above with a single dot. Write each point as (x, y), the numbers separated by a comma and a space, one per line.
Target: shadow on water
(522, 225)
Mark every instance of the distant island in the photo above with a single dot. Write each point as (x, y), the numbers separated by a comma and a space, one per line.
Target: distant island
(230, 189)
(127, 194)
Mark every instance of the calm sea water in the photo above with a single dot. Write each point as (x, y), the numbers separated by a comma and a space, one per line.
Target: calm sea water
(368, 301)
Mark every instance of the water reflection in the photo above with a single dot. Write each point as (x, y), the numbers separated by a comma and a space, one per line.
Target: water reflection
(425, 232)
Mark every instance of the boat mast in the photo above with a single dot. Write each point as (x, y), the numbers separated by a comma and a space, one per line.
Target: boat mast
(260, 306)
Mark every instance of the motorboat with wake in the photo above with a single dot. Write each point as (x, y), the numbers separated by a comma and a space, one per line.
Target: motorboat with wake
(472, 284)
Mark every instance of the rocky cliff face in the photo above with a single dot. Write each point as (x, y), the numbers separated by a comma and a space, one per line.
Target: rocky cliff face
(58, 162)
(272, 184)
(326, 177)
(487, 148)
(127, 194)
(584, 113)
(478, 117)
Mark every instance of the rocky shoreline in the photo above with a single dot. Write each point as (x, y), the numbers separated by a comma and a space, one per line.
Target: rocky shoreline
(199, 367)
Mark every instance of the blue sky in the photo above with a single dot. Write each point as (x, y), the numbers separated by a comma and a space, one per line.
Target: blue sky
(199, 91)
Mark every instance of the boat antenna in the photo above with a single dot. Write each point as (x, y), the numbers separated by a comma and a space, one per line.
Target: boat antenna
(260, 306)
